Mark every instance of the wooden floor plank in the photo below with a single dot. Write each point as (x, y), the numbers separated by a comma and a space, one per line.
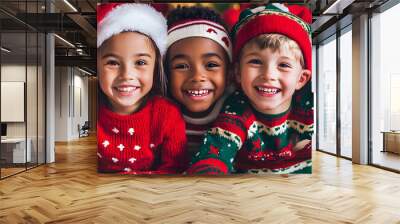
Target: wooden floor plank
(71, 191)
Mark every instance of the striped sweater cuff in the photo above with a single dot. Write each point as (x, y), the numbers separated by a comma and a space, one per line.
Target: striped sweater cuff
(209, 166)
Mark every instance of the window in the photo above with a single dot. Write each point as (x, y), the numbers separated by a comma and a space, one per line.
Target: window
(326, 92)
(385, 89)
(22, 73)
(346, 92)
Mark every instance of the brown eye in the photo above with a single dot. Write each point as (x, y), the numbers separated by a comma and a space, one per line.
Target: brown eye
(181, 66)
(112, 63)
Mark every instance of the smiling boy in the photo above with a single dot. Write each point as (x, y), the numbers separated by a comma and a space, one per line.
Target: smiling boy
(266, 126)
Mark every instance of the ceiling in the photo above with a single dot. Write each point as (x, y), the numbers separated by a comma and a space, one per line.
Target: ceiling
(75, 22)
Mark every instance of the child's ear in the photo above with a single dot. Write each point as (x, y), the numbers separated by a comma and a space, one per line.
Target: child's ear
(237, 73)
(303, 79)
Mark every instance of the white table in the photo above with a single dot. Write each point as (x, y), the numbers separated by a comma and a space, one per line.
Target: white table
(18, 149)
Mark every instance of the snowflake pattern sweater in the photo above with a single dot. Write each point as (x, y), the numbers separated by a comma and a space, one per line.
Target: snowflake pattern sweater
(149, 141)
(244, 140)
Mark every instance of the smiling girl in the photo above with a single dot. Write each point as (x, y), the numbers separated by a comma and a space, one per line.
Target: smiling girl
(139, 131)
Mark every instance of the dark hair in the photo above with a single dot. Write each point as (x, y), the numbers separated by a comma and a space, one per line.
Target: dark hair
(159, 80)
(187, 13)
(191, 13)
(194, 12)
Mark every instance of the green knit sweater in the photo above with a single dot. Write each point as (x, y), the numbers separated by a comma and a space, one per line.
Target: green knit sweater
(245, 140)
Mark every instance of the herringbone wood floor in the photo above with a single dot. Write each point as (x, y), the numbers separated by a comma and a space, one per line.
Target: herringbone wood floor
(70, 191)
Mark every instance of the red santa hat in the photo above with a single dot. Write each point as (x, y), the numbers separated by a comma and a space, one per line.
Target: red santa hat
(114, 18)
(292, 21)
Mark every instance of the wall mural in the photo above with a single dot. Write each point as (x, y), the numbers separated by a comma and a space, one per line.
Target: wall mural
(204, 89)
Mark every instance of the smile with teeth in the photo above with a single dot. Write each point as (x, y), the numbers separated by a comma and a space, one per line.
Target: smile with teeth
(126, 89)
(268, 90)
(201, 92)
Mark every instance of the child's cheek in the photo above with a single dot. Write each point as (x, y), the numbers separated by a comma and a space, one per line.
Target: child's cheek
(105, 81)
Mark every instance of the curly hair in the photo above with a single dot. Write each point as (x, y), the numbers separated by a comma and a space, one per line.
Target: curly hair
(194, 12)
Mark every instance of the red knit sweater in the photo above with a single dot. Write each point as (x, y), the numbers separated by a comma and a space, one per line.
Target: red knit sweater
(149, 141)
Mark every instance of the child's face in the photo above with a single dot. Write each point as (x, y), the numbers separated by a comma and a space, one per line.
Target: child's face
(197, 68)
(125, 63)
(269, 79)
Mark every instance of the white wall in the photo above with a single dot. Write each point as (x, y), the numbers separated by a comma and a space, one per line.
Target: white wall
(80, 111)
(61, 104)
(33, 126)
(71, 94)
(16, 73)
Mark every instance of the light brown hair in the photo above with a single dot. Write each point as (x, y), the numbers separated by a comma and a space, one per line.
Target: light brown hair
(276, 42)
